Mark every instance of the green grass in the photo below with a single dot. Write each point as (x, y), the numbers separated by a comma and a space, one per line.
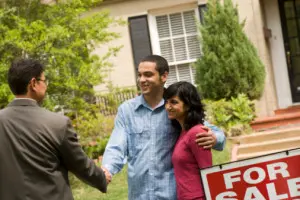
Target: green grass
(117, 189)
(224, 156)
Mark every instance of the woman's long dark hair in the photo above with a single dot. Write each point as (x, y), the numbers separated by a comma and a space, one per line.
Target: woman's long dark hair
(187, 93)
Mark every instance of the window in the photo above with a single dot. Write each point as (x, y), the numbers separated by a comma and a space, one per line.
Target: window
(175, 37)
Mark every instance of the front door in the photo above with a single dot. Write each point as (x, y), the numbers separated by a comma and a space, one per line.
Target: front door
(290, 20)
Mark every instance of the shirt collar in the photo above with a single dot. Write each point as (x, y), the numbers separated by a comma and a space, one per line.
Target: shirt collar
(23, 102)
(25, 99)
(140, 101)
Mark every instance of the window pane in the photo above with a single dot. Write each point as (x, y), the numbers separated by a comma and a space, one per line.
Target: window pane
(184, 72)
(298, 7)
(296, 65)
(292, 27)
(176, 24)
(178, 37)
(166, 50)
(172, 78)
(163, 26)
(294, 46)
(190, 22)
(194, 47)
(289, 9)
(180, 49)
(296, 83)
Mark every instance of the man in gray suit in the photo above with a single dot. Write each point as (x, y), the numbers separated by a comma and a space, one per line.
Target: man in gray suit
(39, 147)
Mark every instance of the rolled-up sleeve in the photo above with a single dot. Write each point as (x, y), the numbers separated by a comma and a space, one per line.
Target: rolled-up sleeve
(220, 136)
(116, 149)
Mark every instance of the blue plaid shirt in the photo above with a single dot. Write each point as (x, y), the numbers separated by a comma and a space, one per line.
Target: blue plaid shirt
(146, 137)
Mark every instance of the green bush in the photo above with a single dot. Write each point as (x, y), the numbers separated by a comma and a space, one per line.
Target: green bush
(94, 130)
(233, 116)
(95, 149)
(230, 64)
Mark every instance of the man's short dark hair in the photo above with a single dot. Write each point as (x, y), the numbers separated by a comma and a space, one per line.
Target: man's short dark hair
(162, 65)
(21, 72)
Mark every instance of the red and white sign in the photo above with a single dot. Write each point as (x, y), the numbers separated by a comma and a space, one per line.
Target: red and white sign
(274, 177)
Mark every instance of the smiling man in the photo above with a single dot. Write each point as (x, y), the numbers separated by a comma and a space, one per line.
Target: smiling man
(144, 134)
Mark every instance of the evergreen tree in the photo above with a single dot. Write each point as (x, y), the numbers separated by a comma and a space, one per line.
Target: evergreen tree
(230, 64)
(63, 36)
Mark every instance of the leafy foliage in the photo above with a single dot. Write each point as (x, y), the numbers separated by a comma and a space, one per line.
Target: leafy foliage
(93, 126)
(232, 114)
(230, 64)
(93, 129)
(63, 36)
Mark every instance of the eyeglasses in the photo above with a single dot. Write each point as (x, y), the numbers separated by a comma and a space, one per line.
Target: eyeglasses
(45, 81)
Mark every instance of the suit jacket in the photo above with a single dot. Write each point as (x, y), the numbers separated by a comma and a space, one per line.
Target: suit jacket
(37, 149)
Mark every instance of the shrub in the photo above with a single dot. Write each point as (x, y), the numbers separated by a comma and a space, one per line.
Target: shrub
(95, 124)
(230, 64)
(233, 116)
(94, 130)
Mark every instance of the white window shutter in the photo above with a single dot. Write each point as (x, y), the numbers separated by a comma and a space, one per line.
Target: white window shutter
(190, 22)
(162, 26)
(180, 49)
(179, 44)
(193, 46)
(176, 24)
(166, 50)
(172, 77)
(184, 72)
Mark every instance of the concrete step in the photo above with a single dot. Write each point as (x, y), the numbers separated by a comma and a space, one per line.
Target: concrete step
(291, 109)
(266, 136)
(253, 155)
(266, 123)
(266, 142)
(285, 143)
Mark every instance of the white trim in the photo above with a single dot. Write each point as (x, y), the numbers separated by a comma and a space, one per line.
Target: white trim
(171, 36)
(202, 2)
(137, 14)
(155, 39)
(191, 72)
(183, 62)
(185, 37)
(173, 9)
(153, 35)
(177, 73)
(277, 51)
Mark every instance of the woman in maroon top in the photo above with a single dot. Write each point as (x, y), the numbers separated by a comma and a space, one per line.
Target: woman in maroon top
(185, 109)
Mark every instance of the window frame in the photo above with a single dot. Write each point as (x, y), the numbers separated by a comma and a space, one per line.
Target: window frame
(154, 39)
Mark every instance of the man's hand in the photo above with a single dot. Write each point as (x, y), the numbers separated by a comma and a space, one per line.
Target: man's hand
(108, 175)
(206, 140)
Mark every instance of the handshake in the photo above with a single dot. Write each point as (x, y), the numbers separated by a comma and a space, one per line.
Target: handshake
(108, 175)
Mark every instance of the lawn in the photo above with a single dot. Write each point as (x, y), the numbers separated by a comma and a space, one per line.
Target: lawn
(117, 189)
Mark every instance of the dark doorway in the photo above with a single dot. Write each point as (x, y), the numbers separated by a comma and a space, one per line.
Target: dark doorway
(290, 21)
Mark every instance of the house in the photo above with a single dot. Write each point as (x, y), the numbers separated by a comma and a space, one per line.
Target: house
(167, 28)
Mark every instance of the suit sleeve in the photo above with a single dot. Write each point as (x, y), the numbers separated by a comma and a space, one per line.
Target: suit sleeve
(78, 162)
(202, 156)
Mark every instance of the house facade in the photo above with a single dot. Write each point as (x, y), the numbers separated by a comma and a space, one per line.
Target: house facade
(168, 28)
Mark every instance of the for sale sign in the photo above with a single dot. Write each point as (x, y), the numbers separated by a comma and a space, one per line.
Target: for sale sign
(274, 177)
